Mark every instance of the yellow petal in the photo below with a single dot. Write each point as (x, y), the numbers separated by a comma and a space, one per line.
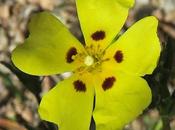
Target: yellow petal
(120, 98)
(127, 3)
(137, 51)
(48, 48)
(101, 20)
(69, 104)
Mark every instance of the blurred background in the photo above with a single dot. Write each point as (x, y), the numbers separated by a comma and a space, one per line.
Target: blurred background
(20, 93)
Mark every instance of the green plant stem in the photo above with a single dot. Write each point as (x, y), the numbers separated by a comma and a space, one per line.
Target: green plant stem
(166, 123)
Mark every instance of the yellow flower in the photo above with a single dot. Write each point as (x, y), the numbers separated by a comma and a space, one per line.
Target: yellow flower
(105, 71)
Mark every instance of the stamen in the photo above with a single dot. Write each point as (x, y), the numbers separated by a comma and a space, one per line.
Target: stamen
(108, 83)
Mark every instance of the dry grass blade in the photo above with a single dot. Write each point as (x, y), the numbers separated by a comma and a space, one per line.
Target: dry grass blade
(10, 125)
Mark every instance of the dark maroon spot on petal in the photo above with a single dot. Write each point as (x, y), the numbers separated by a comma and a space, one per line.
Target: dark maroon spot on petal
(79, 86)
(98, 35)
(72, 51)
(108, 83)
(118, 56)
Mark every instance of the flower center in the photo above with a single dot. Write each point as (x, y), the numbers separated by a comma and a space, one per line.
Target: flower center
(89, 60)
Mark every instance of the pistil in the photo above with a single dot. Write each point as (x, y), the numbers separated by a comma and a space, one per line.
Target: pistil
(89, 60)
